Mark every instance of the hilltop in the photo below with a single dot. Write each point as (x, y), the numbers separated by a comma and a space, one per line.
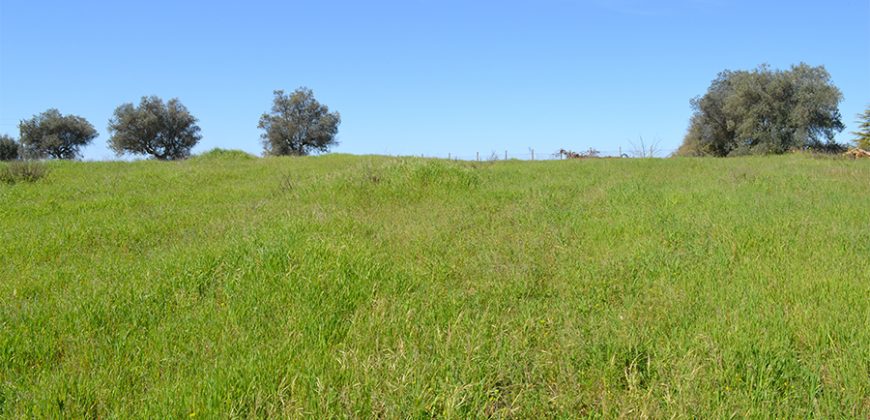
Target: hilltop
(368, 286)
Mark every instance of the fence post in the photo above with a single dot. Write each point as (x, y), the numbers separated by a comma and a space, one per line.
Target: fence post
(448, 156)
(620, 151)
(533, 154)
(478, 156)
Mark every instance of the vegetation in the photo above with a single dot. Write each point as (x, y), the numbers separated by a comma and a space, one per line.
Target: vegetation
(341, 286)
(570, 154)
(164, 131)
(52, 134)
(22, 171)
(765, 111)
(225, 154)
(862, 138)
(9, 148)
(298, 125)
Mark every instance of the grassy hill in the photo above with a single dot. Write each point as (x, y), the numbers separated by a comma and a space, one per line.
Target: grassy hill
(372, 286)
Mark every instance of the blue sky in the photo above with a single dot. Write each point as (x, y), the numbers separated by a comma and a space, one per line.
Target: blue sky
(420, 76)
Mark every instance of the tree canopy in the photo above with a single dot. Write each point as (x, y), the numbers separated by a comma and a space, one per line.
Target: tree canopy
(54, 135)
(298, 124)
(165, 131)
(862, 138)
(765, 111)
(9, 148)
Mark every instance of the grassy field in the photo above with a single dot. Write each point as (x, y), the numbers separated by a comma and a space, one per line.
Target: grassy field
(383, 287)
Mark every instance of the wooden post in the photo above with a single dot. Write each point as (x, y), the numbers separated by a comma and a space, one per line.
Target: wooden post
(533, 154)
(620, 151)
(478, 156)
(505, 155)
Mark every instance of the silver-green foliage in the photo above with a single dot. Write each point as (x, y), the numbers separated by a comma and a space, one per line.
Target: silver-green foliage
(298, 125)
(52, 134)
(164, 131)
(765, 111)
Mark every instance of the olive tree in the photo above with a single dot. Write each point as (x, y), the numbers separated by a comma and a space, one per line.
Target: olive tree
(164, 131)
(54, 135)
(298, 124)
(765, 111)
(9, 148)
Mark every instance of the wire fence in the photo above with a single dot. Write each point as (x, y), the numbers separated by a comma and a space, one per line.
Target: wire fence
(535, 154)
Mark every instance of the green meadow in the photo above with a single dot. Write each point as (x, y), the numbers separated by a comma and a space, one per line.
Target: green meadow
(364, 286)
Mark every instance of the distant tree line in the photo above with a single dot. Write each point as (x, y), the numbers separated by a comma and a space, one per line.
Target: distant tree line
(296, 125)
(762, 111)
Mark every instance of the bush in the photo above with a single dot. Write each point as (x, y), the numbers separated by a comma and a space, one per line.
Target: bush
(23, 171)
(225, 154)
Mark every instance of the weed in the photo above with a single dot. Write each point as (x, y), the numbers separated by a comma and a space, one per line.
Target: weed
(22, 171)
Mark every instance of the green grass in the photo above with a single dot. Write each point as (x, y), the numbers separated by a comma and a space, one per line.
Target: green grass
(383, 287)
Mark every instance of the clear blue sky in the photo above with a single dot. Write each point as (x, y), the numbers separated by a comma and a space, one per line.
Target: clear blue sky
(420, 76)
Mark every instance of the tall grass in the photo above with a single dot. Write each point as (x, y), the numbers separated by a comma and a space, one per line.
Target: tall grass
(22, 171)
(382, 287)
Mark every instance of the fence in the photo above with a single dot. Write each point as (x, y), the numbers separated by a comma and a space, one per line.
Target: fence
(534, 154)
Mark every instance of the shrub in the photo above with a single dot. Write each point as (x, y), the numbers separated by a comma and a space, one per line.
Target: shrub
(225, 154)
(23, 171)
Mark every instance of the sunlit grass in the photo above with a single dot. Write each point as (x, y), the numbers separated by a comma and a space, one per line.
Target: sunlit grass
(370, 286)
